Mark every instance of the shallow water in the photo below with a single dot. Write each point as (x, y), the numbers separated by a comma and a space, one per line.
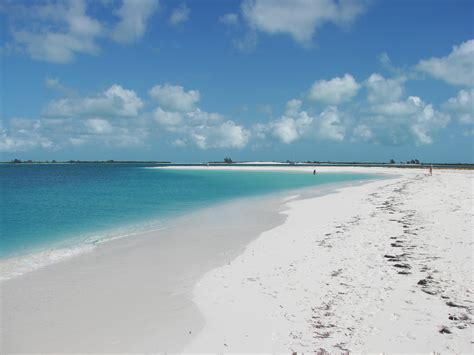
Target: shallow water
(46, 207)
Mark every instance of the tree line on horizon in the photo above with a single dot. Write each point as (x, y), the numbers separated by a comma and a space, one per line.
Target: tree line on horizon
(226, 160)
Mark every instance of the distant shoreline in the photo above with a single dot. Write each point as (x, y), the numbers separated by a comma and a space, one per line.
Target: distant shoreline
(467, 166)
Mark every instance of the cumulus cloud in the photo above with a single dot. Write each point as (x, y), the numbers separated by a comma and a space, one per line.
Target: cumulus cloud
(380, 89)
(174, 97)
(115, 101)
(286, 129)
(462, 106)
(180, 15)
(226, 134)
(334, 91)
(75, 32)
(98, 126)
(229, 19)
(457, 68)
(134, 17)
(179, 115)
(57, 31)
(385, 117)
(330, 125)
(297, 123)
(168, 118)
(23, 135)
(363, 133)
(388, 118)
(55, 134)
(299, 18)
(401, 122)
(203, 129)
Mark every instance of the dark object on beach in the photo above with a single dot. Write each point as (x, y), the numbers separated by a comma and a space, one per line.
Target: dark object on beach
(402, 266)
(452, 304)
(444, 330)
(314, 172)
(453, 317)
(404, 272)
(423, 282)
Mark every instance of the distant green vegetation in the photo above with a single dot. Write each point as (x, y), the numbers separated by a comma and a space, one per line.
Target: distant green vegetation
(18, 161)
(227, 160)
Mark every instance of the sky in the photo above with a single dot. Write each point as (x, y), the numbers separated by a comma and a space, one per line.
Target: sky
(254, 80)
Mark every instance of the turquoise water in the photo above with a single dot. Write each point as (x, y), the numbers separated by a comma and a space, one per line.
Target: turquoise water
(59, 205)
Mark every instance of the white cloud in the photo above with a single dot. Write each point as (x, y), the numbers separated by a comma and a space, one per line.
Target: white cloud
(98, 126)
(334, 91)
(115, 101)
(134, 16)
(286, 130)
(457, 68)
(227, 134)
(462, 106)
(205, 130)
(56, 134)
(398, 108)
(401, 122)
(168, 118)
(57, 31)
(180, 15)
(387, 118)
(174, 97)
(54, 47)
(75, 32)
(299, 18)
(23, 135)
(381, 90)
(330, 126)
(209, 130)
(229, 19)
(362, 133)
(293, 108)
(296, 124)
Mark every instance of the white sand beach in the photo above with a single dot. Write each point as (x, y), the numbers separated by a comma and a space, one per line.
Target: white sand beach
(384, 266)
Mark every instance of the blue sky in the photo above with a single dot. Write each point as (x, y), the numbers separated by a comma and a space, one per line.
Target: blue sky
(251, 79)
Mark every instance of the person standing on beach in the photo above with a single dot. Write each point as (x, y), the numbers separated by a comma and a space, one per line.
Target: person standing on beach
(431, 169)
(314, 172)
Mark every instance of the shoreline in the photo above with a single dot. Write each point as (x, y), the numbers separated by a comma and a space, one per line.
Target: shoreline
(104, 285)
(17, 265)
(169, 307)
(373, 277)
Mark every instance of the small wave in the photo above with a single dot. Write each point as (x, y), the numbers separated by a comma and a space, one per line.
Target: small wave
(19, 265)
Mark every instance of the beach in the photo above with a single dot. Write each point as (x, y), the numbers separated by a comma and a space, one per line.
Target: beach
(384, 265)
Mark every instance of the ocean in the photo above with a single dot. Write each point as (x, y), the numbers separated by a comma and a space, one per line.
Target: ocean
(59, 206)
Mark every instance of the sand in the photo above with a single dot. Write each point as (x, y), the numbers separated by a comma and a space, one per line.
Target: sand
(378, 267)
(383, 266)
